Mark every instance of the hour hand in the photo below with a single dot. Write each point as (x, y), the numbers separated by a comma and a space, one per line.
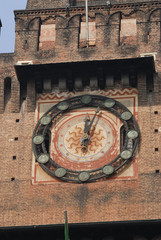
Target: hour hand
(87, 129)
(87, 122)
(85, 139)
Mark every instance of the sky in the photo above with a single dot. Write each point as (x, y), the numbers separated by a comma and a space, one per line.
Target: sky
(7, 35)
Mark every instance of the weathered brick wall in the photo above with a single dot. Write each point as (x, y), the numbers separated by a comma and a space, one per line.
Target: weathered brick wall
(40, 4)
(32, 4)
(114, 200)
(109, 34)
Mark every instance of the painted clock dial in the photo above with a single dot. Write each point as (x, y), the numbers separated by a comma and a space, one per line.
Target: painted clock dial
(78, 139)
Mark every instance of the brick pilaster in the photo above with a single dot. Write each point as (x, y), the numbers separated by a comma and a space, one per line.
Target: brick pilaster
(1, 95)
(142, 90)
(31, 95)
(15, 95)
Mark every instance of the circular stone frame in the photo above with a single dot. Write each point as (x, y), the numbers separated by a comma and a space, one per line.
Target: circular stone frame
(95, 101)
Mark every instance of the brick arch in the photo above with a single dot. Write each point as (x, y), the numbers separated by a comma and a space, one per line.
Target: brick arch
(7, 77)
(112, 15)
(34, 23)
(133, 12)
(101, 14)
(9, 73)
(61, 21)
(48, 20)
(123, 14)
(153, 12)
(90, 17)
(57, 15)
(70, 21)
(12, 99)
(101, 17)
(154, 27)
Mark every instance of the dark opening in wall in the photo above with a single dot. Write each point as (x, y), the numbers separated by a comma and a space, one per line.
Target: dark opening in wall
(23, 91)
(156, 130)
(12, 179)
(48, 141)
(155, 112)
(122, 137)
(156, 149)
(7, 90)
(39, 85)
(25, 45)
(133, 80)
(157, 171)
(16, 138)
(117, 80)
(140, 230)
(17, 120)
(14, 157)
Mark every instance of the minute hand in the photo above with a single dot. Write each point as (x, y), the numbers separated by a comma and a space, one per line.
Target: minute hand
(87, 121)
(90, 125)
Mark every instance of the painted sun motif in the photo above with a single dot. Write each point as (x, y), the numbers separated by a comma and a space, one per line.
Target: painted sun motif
(100, 140)
(73, 137)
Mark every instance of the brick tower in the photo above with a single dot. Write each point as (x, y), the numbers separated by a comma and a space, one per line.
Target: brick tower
(80, 121)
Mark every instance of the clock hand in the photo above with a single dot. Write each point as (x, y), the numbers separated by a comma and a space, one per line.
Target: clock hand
(94, 126)
(86, 138)
(87, 129)
(87, 121)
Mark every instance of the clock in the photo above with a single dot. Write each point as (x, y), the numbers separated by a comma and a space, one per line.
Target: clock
(78, 139)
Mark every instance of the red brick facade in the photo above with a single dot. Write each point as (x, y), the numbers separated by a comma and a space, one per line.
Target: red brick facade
(112, 200)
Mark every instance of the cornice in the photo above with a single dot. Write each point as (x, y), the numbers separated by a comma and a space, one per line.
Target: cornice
(112, 7)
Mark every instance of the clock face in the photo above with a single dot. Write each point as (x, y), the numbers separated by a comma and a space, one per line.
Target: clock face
(79, 139)
(66, 140)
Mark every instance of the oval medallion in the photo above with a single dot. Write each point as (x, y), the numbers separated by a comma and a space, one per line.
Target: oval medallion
(43, 158)
(108, 170)
(109, 103)
(126, 154)
(132, 134)
(45, 120)
(83, 176)
(38, 139)
(60, 172)
(86, 99)
(63, 106)
(126, 115)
